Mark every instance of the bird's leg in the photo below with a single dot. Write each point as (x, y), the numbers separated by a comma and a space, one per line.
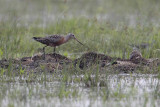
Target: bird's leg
(54, 50)
(44, 51)
(55, 53)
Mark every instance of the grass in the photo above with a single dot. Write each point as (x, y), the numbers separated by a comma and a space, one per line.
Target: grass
(96, 35)
(110, 36)
(105, 26)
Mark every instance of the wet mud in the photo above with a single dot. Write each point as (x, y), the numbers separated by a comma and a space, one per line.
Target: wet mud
(53, 62)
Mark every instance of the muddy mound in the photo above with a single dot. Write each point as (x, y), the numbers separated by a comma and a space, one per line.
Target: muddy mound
(37, 62)
(134, 64)
(55, 61)
(91, 58)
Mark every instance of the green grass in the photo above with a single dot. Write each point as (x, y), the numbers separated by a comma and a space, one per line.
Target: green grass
(105, 26)
(16, 42)
(110, 36)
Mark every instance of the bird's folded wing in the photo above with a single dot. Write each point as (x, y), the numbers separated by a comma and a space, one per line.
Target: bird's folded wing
(54, 38)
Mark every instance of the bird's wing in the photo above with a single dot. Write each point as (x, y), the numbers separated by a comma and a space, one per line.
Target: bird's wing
(54, 38)
(41, 40)
(135, 55)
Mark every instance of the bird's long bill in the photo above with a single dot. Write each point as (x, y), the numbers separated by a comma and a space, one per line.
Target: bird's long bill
(78, 41)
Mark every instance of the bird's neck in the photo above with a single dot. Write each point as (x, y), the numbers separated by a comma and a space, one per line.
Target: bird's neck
(67, 38)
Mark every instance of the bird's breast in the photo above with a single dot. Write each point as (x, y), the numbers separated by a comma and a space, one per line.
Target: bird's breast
(57, 43)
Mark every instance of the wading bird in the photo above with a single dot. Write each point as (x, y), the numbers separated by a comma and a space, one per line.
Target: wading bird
(55, 40)
(136, 55)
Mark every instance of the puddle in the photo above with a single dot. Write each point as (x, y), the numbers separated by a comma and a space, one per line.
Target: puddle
(123, 90)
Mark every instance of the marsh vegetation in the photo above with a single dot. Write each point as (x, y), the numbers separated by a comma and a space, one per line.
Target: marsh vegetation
(105, 26)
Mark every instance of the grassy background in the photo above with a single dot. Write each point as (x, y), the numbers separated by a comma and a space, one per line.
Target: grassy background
(106, 26)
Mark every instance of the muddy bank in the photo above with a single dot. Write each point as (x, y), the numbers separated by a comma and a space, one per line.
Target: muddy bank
(55, 62)
(135, 63)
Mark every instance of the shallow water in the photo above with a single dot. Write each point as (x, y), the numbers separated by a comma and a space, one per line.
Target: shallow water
(120, 90)
(123, 90)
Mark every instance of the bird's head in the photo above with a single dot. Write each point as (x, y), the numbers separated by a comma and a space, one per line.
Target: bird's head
(71, 36)
(135, 48)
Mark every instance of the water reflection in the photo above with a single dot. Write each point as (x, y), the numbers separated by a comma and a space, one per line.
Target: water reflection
(123, 90)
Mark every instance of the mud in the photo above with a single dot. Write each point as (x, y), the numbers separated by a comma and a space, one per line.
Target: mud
(54, 62)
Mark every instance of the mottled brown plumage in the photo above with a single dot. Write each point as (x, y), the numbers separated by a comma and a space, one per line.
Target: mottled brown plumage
(136, 56)
(55, 40)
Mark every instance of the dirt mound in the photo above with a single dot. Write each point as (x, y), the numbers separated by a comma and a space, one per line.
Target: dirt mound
(91, 58)
(55, 61)
(37, 62)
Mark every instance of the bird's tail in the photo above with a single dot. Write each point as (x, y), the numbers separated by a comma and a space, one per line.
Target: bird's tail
(41, 40)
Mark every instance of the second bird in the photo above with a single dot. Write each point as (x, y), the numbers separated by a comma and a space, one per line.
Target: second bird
(55, 40)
